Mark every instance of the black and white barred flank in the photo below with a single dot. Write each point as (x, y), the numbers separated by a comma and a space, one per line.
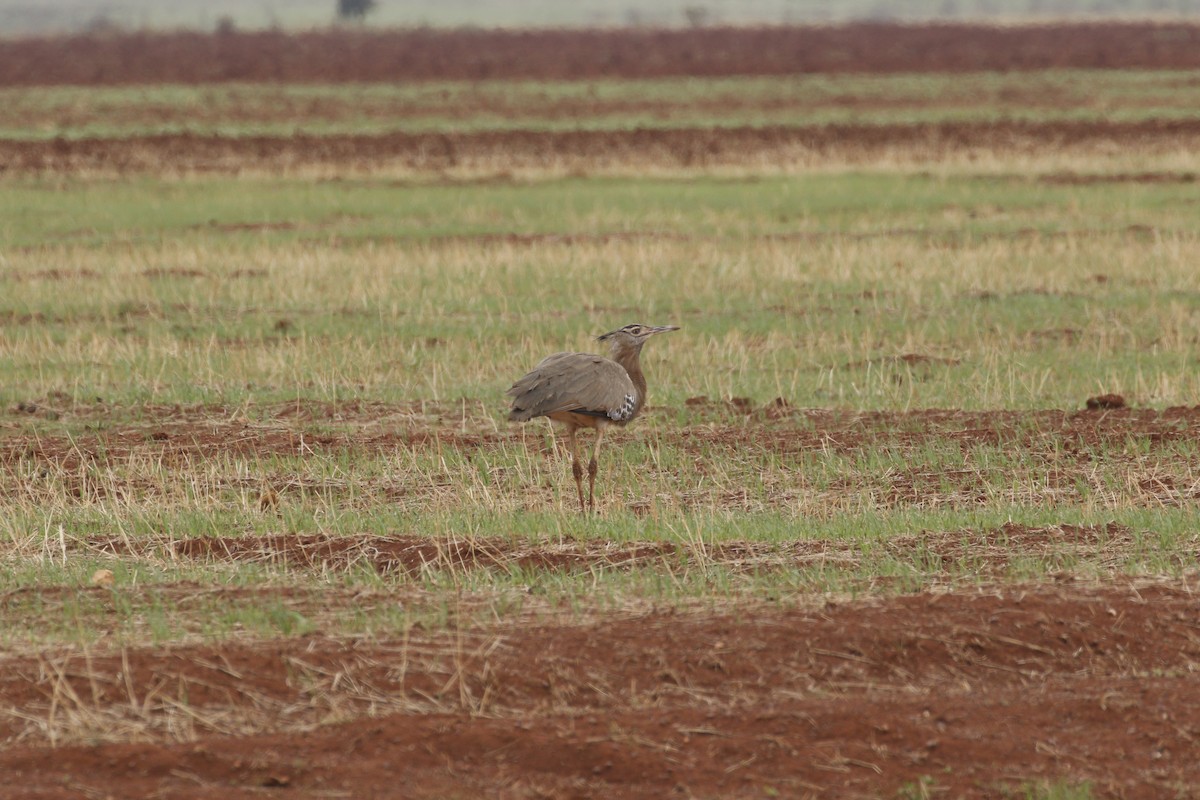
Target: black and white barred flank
(624, 412)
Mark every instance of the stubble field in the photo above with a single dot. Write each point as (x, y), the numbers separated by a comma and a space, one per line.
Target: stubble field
(265, 529)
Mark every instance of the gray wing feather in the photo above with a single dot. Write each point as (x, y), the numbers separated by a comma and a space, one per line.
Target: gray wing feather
(579, 382)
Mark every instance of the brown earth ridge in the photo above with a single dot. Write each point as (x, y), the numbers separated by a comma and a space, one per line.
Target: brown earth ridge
(426, 54)
(971, 693)
(578, 150)
(429, 55)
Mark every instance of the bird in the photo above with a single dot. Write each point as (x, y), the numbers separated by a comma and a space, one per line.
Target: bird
(583, 390)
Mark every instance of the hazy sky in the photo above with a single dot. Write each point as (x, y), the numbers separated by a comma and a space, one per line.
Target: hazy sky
(32, 16)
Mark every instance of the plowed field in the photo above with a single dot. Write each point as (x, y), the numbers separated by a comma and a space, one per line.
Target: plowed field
(263, 527)
(522, 142)
(577, 151)
(973, 689)
(984, 689)
(424, 55)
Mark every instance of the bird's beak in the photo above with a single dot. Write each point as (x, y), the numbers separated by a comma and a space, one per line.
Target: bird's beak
(649, 331)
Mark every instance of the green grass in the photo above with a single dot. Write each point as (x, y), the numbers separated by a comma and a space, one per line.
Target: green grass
(282, 110)
(152, 601)
(926, 787)
(955, 210)
(1007, 291)
(359, 333)
(1057, 790)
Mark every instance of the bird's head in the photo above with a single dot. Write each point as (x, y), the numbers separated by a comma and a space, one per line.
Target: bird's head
(633, 336)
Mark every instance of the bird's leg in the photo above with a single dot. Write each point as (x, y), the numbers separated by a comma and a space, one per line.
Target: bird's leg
(593, 467)
(576, 466)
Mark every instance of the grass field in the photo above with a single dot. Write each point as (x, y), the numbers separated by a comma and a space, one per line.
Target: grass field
(854, 292)
(284, 109)
(271, 406)
(1010, 291)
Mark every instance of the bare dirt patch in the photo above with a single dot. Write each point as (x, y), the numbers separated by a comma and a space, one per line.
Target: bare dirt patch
(408, 553)
(275, 105)
(53, 274)
(89, 464)
(580, 150)
(976, 553)
(968, 691)
(1077, 179)
(159, 273)
(904, 359)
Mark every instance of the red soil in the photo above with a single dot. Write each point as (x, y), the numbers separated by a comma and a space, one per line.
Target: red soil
(421, 55)
(971, 691)
(623, 54)
(180, 434)
(580, 150)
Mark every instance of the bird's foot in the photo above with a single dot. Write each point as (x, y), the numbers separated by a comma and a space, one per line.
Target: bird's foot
(592, 469)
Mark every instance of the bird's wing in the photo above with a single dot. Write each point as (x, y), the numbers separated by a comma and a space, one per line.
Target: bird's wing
(579, 382)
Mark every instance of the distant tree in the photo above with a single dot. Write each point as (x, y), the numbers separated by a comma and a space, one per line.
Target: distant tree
(354, 9)
(697, 16)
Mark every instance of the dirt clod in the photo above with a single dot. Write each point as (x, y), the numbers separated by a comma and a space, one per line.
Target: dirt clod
(779, 408)
(743, 405)
(1105, 402)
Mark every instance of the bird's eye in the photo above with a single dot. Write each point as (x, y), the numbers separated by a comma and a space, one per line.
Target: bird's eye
(636, 330)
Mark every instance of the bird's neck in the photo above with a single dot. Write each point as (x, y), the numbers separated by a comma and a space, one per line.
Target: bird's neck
(630, 359)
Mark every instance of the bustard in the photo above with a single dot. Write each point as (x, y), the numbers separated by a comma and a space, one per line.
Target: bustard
(582, 390)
